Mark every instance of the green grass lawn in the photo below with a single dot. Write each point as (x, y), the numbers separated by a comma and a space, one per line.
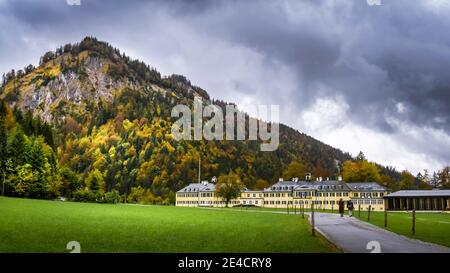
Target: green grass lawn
(430, 227)
(47, 226)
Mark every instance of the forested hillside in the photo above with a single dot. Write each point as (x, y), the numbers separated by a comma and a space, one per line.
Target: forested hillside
(91, 124)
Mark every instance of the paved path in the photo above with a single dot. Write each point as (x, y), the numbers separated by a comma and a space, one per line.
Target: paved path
(353, 235)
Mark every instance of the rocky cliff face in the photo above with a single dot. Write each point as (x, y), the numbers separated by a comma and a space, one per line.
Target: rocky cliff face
(48, 87)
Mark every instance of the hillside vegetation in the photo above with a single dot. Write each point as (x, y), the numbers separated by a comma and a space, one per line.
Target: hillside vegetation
(91, 124)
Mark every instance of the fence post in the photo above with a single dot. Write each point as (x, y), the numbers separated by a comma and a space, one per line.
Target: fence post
(295, 209)
(385, 215)
(287, 208)
(303, 211)
(312, 220)
(414, 222)
(368, 214)
(359, 210)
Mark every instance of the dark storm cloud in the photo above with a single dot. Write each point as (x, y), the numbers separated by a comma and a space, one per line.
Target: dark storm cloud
(392, 58)
(374, 56)
(389, 61)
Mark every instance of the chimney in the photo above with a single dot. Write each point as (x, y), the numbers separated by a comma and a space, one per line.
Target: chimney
(280, 179)
(308, 177)
(320, 178)
(339, 178)
(328, 179)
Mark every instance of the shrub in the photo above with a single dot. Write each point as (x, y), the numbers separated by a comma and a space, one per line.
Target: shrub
(112, 197)
(84, 195)
(139, 195)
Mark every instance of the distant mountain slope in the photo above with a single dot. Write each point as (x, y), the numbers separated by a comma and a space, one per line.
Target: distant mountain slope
(112, 114)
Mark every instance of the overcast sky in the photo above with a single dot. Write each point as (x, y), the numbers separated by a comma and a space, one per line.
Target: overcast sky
(358, 77)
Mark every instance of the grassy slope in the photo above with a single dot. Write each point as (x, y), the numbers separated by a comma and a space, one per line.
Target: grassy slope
(430, 227)
(47, 226)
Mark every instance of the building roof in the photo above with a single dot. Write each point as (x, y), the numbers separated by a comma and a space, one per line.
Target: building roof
(325, 185)
(420, 193)
(284, 186)
(366, 186)
(252, 191)
(329, 185)
(196, 187)
(289, 186)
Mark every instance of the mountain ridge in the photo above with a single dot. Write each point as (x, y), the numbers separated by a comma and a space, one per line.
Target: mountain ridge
(91, 87)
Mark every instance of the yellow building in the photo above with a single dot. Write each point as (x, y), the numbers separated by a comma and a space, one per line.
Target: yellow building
(200, 195)
(368, 194)
(251, 198)
(324, 194)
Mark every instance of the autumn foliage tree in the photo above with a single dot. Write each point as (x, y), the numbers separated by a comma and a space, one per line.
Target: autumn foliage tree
(443, 177)
(408, 181)
(229, 187)
(294, 169)
(261, 184)
(361, 170)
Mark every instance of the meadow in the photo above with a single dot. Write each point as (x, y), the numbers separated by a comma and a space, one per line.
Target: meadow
(430, 227)
(433, 227)
(47, 226)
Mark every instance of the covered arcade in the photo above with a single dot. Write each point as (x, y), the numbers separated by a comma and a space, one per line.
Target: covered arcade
(436, 200)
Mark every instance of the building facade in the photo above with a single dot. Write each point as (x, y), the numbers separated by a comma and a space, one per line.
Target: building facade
(324, 194)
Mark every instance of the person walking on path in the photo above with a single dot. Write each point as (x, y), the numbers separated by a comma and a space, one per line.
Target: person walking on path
(350, 208)
(341, 207)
